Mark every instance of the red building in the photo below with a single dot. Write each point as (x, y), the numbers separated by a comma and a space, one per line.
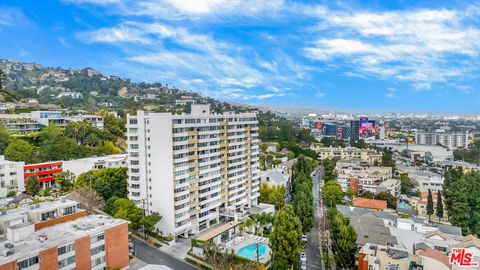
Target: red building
(44, 171)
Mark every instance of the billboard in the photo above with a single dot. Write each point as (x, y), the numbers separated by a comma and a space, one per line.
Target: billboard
(339, 132)
(318, 125)
(366, 128)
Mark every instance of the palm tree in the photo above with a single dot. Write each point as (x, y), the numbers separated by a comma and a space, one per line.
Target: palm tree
(2, 77)
(261, 220)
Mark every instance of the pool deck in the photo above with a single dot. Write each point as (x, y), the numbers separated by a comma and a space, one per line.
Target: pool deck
(248, 239)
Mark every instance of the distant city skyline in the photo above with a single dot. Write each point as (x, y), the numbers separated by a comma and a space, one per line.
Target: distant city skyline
(356, 56)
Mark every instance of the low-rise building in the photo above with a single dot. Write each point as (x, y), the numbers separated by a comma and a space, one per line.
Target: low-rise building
(44, 171)
(19, 123)
(11, 176)
(91, 242)
(369, 203)
(370, 156)
(275, 176)
(78, 166)
(46, 118)
(94, 120)
(420, 205)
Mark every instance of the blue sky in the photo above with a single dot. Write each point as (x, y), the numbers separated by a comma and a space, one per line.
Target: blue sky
(363, 56)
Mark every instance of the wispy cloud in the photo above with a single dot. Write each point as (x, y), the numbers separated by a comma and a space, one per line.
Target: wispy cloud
(12, 17)
(390, 93)
(421, 47)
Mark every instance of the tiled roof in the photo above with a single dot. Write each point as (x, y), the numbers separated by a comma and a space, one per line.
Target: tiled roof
(369, 203)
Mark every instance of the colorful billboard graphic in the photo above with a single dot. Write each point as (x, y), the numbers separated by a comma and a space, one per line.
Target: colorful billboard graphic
(318, 125)
(339, 132)
(367, 128)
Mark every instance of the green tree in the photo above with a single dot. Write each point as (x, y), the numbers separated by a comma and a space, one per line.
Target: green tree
(387, 159)
(65, 180)
(107, 182)
(272, 194)
(126, 209)
(32, 187)
(20, 150)
(285, 239)
(4, 138)
(429, 204)
(303, 206)
(149, 223)
(332, 193)
(439, 206)
(329, 170)
(405, 183)
(55, 146)
(387, 196)
(343, 238)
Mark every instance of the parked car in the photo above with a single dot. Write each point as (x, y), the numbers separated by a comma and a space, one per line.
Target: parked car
(304, 238)
(303, 266)
(303, 258)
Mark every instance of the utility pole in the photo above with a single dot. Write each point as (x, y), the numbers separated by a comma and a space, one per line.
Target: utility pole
(143, 225)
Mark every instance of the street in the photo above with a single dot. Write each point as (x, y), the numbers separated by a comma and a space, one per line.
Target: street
(312, 248)
(152, 255)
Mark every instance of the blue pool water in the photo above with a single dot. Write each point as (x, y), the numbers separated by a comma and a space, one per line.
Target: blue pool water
(250, 251)
(403, 206)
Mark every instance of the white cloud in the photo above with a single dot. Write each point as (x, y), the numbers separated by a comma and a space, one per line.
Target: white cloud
(12, 17)
(422, 47)
(320, 94)
(391, 93)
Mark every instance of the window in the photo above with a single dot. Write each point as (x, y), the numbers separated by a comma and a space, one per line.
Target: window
(66, 249)
(97, 250)
(66, 262)
(27, 263)
(97, 238)
(48, 215)
(133, 121)
(69, 210)
(98, 261)
(133, 146)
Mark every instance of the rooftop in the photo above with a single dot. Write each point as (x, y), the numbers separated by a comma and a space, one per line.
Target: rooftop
(216, 230)
(372, 230)
(60, 234)
(369, 203)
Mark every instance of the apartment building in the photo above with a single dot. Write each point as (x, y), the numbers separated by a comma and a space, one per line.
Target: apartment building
(370, 156)
(19, 123)
(356, 175)
(94, 120)
(44, 171)
(11, 176)
(78, 166)
(194, 169)
(451, 140)
(92, 242)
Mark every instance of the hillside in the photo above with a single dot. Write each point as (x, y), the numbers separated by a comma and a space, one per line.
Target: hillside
(88, 89)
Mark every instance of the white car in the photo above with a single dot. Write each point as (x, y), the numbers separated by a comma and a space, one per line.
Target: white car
(304, 238)
(303, 257)
(303, 266)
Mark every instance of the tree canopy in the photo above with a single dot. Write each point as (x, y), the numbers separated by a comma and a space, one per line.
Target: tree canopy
(332, 193)
(107, 182)
(285, 239)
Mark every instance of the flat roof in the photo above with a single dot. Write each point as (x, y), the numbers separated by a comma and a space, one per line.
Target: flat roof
(217, 230)
(61, 234)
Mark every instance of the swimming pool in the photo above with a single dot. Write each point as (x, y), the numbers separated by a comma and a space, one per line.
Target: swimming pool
(403, 206)
(250, 251)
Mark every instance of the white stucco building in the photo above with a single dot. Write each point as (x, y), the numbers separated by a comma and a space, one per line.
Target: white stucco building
(11, 176)
(193, 168)
(78, 166)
